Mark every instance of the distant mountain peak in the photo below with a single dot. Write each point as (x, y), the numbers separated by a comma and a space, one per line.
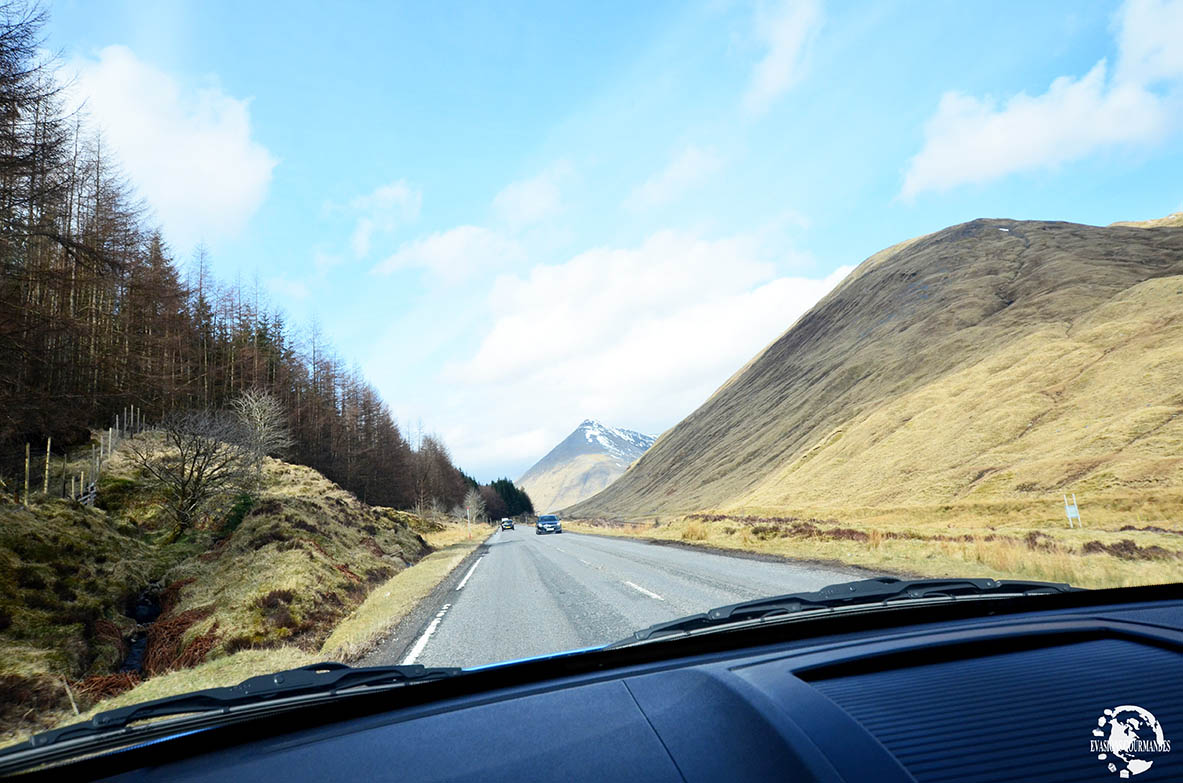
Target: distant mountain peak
(622, 444)
(586, 461)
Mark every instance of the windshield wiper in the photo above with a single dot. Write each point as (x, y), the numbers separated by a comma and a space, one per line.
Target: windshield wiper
(318, 679)
(880, 590)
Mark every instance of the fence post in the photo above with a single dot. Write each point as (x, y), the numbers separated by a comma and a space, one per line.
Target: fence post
(71, 487)
(26, 473)
(48, 444)
(65, 460)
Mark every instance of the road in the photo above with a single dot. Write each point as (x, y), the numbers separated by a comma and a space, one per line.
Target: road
(522, 595)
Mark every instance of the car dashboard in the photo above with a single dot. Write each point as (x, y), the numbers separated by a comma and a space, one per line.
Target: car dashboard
(968, 692)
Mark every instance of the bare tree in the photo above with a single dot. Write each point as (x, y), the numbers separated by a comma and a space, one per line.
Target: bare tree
(97, 315)
(204, 463)
(264, 420)
(475, 504)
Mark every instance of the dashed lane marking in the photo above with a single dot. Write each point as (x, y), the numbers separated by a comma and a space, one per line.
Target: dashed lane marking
(640, 589)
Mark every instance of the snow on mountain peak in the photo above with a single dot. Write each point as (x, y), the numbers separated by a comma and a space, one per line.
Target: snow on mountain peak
(624, 445)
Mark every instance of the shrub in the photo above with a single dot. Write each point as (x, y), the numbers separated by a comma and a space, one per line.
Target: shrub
(242, 506)
(276, 598)
(115, 494)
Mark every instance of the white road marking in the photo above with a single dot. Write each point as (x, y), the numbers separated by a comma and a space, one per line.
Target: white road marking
(649, 593)
(464, 581)
(417, 650)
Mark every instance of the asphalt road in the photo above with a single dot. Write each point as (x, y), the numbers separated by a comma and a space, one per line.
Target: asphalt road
(522, 595)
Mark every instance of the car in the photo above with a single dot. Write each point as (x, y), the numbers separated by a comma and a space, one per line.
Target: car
(548, 523)
(507, 524)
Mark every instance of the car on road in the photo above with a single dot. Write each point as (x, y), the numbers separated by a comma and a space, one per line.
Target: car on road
(507, 524)
(548, 523)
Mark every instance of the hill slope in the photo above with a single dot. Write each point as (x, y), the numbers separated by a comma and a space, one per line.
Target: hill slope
(1174, 220)
(282, 571)
(586, 461)
(994, 359)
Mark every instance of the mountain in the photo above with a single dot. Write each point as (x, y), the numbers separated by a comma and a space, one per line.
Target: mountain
(993, 360)
(1174, 220)
(589, 459)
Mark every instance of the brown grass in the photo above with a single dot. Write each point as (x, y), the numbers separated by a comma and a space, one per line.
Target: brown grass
(360, 632)
(305, 556)
(381, 610)
(940, 541)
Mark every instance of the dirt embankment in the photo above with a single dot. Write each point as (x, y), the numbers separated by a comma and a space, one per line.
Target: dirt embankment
(280, 570)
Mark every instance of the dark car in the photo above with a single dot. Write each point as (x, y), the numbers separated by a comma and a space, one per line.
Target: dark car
(507, 524)
(548, 523)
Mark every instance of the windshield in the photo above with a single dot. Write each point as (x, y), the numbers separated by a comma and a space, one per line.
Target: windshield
(392, 334)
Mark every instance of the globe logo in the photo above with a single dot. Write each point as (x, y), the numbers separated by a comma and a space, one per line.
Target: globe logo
(1127, 737)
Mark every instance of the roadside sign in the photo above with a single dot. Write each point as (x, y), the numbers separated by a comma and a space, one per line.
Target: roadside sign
(1072, 511)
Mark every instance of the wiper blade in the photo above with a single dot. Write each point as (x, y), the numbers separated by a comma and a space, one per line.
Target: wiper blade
(880, 590)
(314, 679)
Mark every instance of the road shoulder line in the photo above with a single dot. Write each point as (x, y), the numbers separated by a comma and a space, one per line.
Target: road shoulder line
(395, 646)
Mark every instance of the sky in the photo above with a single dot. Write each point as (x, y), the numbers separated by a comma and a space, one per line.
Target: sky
(517, 216)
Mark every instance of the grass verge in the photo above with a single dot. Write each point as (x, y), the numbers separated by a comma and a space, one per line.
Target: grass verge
(352, 638)
(1114, 551)
(360, 632)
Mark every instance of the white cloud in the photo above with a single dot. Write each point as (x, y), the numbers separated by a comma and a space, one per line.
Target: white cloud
(976, 140)
(382, 211)
(529, 201)
(188, 150)
(637, 337)
(1149, 39)
(786, 28)
(453, 256)
(689, 167)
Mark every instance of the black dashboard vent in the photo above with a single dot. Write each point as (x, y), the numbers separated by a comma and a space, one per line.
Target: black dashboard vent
(1024, 715)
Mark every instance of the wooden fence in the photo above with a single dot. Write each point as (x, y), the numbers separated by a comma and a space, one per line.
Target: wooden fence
(79, 482)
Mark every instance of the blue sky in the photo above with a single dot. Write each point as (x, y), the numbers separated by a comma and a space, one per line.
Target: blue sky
(514, 217)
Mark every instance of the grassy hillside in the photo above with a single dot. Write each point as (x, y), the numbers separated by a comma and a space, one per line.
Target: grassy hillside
(1174, 220)
(580, 477)
(304, 555)
(992, 360)
(929, 415)
(281, 571)
(356, 635)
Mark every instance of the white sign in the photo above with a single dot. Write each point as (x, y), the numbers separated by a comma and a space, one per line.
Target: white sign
(1072, 511)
